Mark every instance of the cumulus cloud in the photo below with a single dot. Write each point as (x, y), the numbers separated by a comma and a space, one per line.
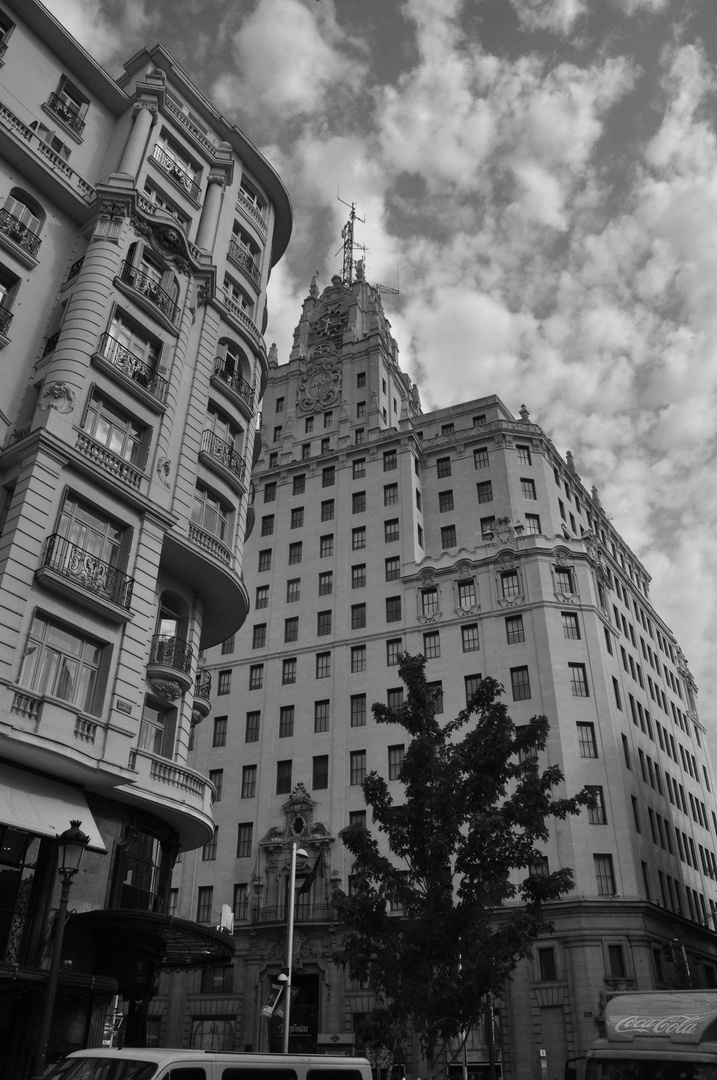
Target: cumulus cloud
(110, 34)
(558, 16)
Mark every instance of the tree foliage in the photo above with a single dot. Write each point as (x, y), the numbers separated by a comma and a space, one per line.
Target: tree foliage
(475, 815)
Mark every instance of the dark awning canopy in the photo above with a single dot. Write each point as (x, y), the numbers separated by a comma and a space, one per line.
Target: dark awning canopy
(175, 944)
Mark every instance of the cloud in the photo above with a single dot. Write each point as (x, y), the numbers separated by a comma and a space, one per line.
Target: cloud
(558, 16)
(110, 35)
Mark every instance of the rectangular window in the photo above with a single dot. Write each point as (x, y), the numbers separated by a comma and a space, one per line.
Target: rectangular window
(359, 436)
(359, 468)
(467, 594)
(326, 446)
(358, 576)
(288, 671)
(358, 658)
(523, 453)
(216, 777)
(327, 510)
(357, 766)
(394, 698)
(527, 488)
(358, 616)
(326, 582)
(487, 527)
(357, 817)
(471, 683)
(277, 432)
(448, 536)
(320, 772)
(445, 501)
(396, 755)
(578, 680)
(571, 627)
(297, 517)
(241, 903)
(306, 451)
(604, 875)
(251, 731)
(514, 630)
(224, 683)
(358, 502)
(390, 460)
(326, 546)
(286, 721)
(61, 663)
(219, 732)
(586, 740)
(393, 609)
(291, 629)
(432, 645)
(596, 813)
(443, 467)
(564, 579)
(228, 643)
(328, 476)
(283, 778)
(205, 899)
(293, 590)
(532, 524)
(546, 964)
(394, 647)
(358, 538)
(469, 638)
(390, 494)
(270, 491)
(244, 840)
(435, 690)
(480, 458)
(485, 491)
(323, 623)
(267, 525)
(295, 551)
(509, 584)
(429, 601)
(616, 962)
(390, 530)
(299, 484)
(256, 676)
(358, 710)
(261, 601)
(248, 782)
(323, 665)
(328, 418)
(393, 568)
(321, 715)
(265, 559)
(520, 683)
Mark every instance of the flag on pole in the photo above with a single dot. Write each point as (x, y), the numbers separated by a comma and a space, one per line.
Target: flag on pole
(306, 886)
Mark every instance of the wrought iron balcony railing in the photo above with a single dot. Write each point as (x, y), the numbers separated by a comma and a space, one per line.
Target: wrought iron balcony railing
(147, 286)
(51, 343)
(238, 385)
(84, 569)
(244, 259)
(224, 453)
(303, 913)
(15, 230)
(67, 114)
(171, 652)
(203, 685)
(75, 268)
(5, 320)
(117, 354)
(176, 172)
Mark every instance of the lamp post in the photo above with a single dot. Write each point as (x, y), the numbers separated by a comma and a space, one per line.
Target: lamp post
(290, 941)
(71, 845)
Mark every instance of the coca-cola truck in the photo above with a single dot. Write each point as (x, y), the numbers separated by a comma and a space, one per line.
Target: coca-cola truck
(665, 1035)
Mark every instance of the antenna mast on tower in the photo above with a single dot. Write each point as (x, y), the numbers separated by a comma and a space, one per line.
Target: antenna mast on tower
(347, 235)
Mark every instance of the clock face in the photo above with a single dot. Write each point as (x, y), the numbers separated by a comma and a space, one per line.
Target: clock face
(329, 325)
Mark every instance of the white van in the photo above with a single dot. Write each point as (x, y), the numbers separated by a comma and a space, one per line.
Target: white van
(137, 1064)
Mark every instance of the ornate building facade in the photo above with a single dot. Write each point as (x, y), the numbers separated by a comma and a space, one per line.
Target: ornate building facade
(461, 534)
(137, 233)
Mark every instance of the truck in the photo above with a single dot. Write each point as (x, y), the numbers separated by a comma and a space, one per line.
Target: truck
(664, 1035)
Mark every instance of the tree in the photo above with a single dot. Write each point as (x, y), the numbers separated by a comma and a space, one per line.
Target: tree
(475, 814)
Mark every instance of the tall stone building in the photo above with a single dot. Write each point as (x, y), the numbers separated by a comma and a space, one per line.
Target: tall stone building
(137, 233)
(461, 534)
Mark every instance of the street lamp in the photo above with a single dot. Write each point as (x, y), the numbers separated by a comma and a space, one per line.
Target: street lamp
(71, 845)
(290, 941)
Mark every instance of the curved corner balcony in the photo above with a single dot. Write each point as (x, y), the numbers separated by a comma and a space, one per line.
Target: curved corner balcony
(245, 261)
(73, 571)
(120, 359)
(230, 381)
(170, 661)
(177, 794)
(176, 173)
(15, 230)
(149, 289)
(223, 458)
(66, 113)
(201, 706)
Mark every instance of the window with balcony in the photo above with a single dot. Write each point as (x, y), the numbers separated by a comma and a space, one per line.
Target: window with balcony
(176, 163)
(160, 200)
(156, 729)
(232, 367)
(114, 429)
(21, 220)
(90, 550)
(222, 442)
(135, 353)
(211, 513)
(245, 252)
(248, 194)
(6, 28)
(69, 105)
(236, 299)
(59, 662)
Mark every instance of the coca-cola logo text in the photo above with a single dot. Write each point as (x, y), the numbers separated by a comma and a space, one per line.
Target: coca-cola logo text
(659, 1025)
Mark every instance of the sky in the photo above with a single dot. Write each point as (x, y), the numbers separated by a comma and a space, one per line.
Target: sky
(539, 178)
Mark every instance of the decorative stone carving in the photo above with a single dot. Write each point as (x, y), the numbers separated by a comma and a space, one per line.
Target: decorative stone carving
(166, 240)
(503, 530)
(166, 688)
(164, 469)
(58, 396)
(320, 384)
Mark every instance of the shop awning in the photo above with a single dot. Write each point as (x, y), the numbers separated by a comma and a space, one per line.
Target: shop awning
(44, 807)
